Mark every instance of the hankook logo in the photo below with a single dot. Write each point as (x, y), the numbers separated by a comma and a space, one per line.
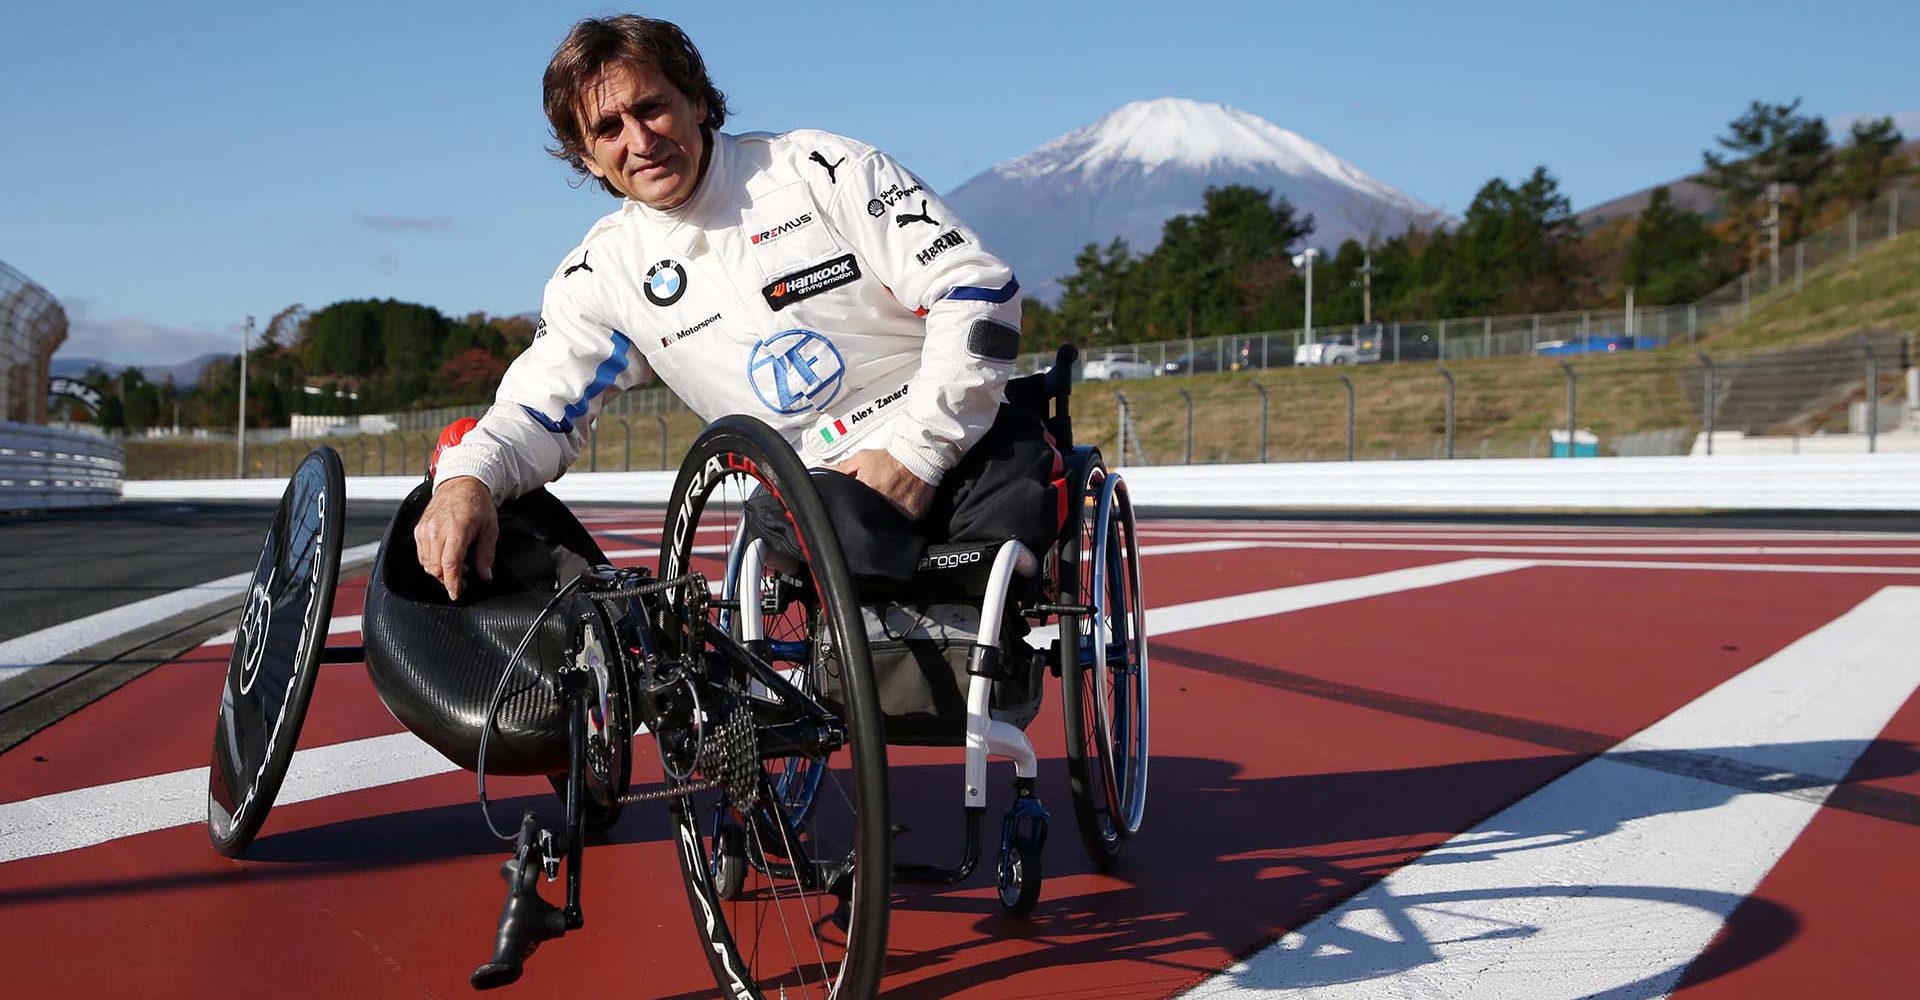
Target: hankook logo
(842, 270)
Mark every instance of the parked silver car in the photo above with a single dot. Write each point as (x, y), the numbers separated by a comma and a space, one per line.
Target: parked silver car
(1114, 365)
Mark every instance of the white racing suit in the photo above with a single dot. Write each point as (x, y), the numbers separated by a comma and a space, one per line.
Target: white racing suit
(810, 281)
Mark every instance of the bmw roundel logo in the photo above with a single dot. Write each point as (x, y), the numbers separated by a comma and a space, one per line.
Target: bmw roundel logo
(666, 282)
(795, 371)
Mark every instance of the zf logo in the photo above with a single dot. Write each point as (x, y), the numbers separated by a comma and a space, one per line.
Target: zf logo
(666, 282)
(796, 371)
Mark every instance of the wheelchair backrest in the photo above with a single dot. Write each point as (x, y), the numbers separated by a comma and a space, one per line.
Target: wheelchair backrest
(1045, 395)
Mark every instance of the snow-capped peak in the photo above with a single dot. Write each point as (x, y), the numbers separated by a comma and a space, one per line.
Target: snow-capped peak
(1177, 131)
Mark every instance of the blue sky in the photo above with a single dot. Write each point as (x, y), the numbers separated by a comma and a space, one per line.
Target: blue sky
(169, 168)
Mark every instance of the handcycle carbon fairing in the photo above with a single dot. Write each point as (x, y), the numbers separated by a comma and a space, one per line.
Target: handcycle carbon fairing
(749, 670)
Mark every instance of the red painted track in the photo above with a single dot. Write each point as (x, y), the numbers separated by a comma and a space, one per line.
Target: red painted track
(1298, 757)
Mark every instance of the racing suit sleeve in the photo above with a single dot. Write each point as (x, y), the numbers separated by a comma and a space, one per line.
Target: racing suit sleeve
(935, 266)
(551, 393)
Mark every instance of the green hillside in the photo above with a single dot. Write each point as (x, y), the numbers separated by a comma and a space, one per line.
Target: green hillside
(1878, 291)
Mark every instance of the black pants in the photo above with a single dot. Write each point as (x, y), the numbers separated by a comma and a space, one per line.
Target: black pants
(1003, 488)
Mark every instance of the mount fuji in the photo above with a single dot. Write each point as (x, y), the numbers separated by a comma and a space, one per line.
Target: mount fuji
(1147, 161)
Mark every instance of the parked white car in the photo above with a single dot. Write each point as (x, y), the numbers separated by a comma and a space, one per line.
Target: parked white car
(1341, 350)
(1115, 365)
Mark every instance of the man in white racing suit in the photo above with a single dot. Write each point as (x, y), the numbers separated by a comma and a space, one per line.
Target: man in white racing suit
(805, 279)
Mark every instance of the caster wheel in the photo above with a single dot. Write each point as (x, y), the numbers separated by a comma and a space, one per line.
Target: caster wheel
(1020, 877)
(730, 860)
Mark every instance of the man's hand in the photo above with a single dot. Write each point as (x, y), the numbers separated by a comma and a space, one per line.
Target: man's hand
(460, 515)
(886, 476)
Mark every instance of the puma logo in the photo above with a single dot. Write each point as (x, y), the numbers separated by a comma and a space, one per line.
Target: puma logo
(904, 220)
(582, 266)
(831, 167)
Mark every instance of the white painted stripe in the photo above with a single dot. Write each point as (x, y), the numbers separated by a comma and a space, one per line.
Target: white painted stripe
(1605, 550)
(81, 818)
(87, 816)
(36, 649)
(1863, 542)
(1300, 597)
(340, 625)
(1727, 567)
(1609, 881)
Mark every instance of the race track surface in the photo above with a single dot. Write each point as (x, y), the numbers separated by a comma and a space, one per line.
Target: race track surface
(1391, 759)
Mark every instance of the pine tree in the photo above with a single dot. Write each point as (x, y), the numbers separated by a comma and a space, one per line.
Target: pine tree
(1672, 256)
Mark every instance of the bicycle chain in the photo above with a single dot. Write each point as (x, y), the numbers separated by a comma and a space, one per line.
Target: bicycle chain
(729, 756)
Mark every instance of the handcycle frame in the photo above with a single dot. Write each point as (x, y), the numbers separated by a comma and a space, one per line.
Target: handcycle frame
(649, 659)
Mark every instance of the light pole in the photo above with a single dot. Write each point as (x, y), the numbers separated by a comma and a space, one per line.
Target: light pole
(1304, 261)
(240, 457)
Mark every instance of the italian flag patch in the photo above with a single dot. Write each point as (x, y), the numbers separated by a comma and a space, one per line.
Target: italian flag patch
(838, 430)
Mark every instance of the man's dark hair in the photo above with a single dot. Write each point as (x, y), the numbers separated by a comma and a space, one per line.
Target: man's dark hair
(627, 40)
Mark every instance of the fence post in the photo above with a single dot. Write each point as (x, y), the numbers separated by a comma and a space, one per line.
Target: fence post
(1445, 374)
(1693, 322)
(1486, 337)
(363, 454)
(1853, 235)
(1746, 296)
(1893, 213)
(1443, 340)
(1706, 362)
(403, 455)
(383, 454)
(1573, 401)
(1263, 350)
(1396, 343)
(662, 421)
(1349, 384)
(1186, 457)
(1799, 267)
(626, 461)
(1262, 390)
(1120, 433)
(1873, 398)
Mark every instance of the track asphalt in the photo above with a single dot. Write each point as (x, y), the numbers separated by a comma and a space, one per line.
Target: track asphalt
(1489, 757)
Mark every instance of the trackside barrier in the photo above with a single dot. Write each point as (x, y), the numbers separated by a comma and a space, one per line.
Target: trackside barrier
(48, 468)
(1727, 482)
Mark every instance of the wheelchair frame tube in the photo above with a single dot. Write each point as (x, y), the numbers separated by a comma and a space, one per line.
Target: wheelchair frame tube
(986, 735)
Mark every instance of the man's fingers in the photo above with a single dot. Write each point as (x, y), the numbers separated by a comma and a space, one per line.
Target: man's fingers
(450, 553)
(483, 549)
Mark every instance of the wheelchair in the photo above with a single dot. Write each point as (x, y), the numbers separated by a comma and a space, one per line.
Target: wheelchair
(754, 673)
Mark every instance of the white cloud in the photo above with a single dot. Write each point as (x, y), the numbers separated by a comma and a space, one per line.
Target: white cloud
(130, 341)
(1908, 122)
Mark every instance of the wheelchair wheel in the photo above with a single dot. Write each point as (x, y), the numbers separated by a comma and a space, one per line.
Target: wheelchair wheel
(788, 863)
(1103, 676)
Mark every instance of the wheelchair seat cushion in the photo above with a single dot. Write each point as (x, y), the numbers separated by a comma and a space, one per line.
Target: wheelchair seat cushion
(435, 663)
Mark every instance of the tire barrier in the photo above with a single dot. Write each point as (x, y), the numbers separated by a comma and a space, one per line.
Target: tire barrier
(47, 468)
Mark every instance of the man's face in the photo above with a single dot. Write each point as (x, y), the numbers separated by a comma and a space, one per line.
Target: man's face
(643, 135)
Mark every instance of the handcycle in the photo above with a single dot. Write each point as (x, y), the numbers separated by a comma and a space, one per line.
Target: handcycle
(750, 666)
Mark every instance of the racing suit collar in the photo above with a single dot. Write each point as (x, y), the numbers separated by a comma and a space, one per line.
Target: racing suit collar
(681, 227)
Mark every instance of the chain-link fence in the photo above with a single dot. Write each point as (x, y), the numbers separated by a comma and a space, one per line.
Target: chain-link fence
(32, 324)
(1388, 382)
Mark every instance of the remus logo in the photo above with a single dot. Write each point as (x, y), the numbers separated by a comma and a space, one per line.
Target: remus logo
(805, 219)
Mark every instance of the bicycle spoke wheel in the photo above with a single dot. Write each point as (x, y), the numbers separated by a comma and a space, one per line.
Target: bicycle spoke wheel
(787, 860)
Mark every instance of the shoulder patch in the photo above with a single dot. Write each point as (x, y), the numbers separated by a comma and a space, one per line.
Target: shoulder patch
(992, 340)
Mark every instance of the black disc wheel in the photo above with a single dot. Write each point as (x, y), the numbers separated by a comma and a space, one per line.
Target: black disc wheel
(1103, 674)
(276, 652)
(781, 746)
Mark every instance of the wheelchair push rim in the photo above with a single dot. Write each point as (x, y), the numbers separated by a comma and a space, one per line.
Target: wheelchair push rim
(1118, 659)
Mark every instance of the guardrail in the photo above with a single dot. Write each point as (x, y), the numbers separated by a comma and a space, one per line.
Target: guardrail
(1665, 483)
(46, 468)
